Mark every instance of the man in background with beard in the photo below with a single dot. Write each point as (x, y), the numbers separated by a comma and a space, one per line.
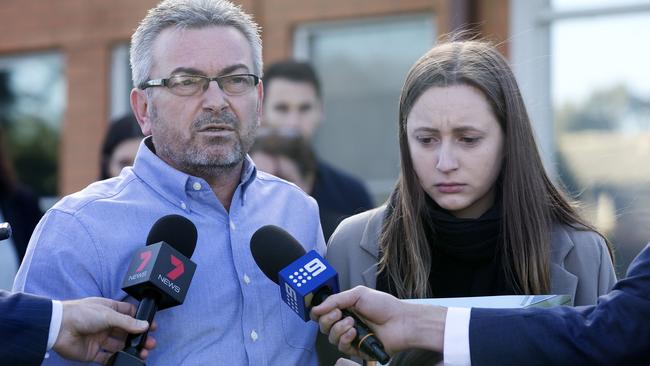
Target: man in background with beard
(196, 68)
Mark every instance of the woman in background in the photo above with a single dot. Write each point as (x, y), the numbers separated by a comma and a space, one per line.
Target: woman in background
(120, 146)
(287, 155)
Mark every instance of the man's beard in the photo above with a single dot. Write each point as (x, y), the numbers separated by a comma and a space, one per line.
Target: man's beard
(196, 158)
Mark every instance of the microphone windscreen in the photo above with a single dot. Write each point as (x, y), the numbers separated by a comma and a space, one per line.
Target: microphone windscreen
(175, 230)
(5, 231)
(273, 249)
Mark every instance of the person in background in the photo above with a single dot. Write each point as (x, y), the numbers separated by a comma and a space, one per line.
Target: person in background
(285, 154)
(120, 146)
(19, 207)
(196, 67)
(293, 100)
(473, 212)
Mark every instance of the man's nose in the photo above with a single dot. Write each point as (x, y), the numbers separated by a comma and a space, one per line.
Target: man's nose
(214, 98)
(292, 119)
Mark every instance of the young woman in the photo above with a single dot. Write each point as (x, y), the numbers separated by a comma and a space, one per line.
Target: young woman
(473, 212)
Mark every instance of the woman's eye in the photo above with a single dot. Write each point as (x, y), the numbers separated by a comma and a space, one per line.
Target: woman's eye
(470, 140)
(425, 140)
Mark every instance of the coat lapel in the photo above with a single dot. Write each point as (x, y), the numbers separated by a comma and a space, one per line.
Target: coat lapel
(370, 245)
(563, 282)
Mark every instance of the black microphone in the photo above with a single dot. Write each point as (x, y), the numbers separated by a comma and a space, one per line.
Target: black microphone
(305, 280)
(5, 231)
(159, 276)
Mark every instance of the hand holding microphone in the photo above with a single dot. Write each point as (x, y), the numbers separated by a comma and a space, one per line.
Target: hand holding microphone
(305, 280)
(400, 325)
(159, 276)
(93, 328)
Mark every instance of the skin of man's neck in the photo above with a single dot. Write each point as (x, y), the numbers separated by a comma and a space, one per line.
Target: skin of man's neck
(225, 183)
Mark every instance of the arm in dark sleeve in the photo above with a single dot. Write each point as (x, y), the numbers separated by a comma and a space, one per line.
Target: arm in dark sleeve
(613, 332)
(24, 327)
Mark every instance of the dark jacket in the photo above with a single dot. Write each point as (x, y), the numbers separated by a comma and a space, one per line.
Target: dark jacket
(339, 195)
(24, 328)
(613, 332)
(20, 209)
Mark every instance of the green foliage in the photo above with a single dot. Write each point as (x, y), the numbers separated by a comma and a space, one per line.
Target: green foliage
(34, 146)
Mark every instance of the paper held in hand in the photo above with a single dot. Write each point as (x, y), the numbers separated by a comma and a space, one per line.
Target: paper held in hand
(499, 302)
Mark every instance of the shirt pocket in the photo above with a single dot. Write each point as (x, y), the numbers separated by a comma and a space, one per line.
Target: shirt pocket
(297, 333)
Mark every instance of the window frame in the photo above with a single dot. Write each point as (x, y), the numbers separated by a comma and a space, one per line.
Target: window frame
(530, 49)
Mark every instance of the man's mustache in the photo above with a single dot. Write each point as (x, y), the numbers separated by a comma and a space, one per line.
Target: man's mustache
(224, 118)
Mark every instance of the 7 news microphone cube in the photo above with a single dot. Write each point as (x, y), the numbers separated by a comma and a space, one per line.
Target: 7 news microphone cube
(161, 268)
(299, 280)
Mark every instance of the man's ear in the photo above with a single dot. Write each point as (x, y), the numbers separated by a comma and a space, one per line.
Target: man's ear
(140, 107)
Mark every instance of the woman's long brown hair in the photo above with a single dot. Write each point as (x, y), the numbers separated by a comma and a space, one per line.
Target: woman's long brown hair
(530, 201)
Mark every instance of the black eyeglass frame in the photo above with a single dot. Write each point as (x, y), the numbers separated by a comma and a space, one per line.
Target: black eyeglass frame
(164, 82)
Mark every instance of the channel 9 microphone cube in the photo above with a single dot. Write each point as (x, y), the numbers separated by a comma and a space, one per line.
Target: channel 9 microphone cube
(299, 280)
(162, 267)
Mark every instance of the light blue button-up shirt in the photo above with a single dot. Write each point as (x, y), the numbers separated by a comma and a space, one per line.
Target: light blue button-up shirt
(233, 314)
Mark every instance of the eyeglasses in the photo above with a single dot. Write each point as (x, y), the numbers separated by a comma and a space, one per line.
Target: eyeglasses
(187, 85)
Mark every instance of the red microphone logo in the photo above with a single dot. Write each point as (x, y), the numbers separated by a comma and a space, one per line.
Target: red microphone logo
(145, 256)
(178, 270)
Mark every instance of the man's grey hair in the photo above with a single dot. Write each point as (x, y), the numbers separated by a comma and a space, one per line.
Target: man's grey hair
(189, 14)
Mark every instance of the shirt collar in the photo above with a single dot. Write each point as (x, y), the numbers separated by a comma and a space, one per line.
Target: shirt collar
(249, 173)
(172, 184)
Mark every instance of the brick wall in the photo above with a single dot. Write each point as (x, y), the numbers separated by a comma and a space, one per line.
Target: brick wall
(84, 31)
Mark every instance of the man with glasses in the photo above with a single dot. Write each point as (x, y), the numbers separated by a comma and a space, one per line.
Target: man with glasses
(196, 66)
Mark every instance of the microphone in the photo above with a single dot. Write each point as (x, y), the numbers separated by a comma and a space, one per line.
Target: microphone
(5, 231)
(305, 280)
(159, 276)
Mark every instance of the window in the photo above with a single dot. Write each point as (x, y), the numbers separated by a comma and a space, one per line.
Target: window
(121, 84)
(362, 66)
(596, 88)
(32, 103)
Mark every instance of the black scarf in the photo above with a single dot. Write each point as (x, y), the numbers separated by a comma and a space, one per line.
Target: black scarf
(466, 257)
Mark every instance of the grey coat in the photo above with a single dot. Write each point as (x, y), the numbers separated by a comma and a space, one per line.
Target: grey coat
(580, 262)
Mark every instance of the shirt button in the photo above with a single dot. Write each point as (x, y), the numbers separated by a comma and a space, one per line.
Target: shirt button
(232, 225)
(196, 186)
(247, 279)
(254, 335)
(183, 205)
